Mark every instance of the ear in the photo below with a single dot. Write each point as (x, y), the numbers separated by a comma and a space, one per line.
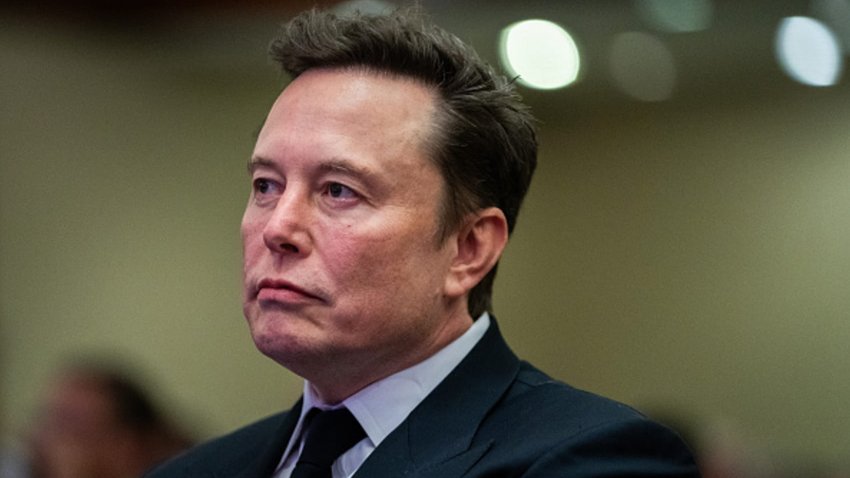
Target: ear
(480, 242)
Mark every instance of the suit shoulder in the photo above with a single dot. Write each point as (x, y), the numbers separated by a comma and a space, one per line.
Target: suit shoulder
(550, 407)
(222, 452)
(551, 424)
(555, 399)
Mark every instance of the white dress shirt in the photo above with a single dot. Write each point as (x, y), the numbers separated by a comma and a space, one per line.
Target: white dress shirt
(383, 405)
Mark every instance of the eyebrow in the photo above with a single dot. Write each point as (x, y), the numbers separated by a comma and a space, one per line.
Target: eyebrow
(332, 165)
(345, 166)
(255, 162)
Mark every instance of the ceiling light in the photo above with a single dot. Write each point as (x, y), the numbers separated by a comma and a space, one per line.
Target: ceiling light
(540, 53)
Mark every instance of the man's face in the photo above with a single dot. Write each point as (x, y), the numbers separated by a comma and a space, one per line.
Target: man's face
(343, 271)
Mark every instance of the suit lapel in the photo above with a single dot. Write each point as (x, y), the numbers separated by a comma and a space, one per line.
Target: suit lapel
(437, 438)
(261, 463)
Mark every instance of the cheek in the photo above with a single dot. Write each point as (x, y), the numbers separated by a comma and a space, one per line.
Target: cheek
(353, 261)
(252, 240)
(377, 264)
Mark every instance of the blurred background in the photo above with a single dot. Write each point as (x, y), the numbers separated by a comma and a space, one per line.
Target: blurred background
(683, 248)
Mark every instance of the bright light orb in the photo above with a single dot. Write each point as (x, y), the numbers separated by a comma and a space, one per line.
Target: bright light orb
(808, 51)
(836, 14)
(541, 53)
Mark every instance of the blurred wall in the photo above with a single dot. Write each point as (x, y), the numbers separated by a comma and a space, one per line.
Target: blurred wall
(123, 182)
(688, 256)
(695, 262)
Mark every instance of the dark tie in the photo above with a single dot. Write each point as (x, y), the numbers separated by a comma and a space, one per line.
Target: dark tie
(329, 434)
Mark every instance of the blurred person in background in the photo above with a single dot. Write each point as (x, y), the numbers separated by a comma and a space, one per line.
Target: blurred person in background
(12, 464)
(98, 423)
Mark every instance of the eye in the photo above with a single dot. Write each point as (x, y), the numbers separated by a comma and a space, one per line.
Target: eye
(340, 191)
(264, 186)
(265, 191)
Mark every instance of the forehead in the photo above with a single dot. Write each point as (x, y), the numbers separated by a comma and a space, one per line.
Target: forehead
(352, 86)
(335, 104)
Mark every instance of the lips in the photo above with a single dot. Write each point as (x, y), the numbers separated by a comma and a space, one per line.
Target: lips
(281, 291)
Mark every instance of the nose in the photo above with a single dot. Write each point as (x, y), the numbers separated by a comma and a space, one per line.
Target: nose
(288, 228)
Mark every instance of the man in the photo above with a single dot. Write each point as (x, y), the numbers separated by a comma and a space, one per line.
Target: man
(385, 182)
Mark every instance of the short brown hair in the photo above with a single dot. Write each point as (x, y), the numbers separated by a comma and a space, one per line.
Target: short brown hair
(484, 144)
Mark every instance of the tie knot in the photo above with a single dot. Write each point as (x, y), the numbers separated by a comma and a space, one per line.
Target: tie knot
(329, 434)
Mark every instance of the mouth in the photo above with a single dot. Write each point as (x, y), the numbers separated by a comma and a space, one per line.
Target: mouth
(284, 292)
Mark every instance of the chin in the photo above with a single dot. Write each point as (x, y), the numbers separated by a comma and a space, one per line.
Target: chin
(282, 351)
(280, 344)
(268, 335)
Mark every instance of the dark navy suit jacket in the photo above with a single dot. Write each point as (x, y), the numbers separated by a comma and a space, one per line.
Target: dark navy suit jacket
(493, 416)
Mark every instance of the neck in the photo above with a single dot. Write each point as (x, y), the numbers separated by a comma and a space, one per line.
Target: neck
(346, 376)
